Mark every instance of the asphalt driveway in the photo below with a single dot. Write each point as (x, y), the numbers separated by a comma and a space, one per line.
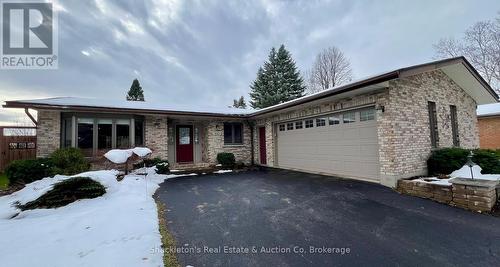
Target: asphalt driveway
(285, 218)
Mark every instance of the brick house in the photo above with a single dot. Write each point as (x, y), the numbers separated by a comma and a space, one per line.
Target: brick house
(378, 129)
(488, 117)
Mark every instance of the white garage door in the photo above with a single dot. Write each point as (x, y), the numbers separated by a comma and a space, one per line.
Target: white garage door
(343, 144)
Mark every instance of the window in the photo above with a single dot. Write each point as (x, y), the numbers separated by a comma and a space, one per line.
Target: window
(349, 117)
(184, 135)
(233, 133)
(289, 126)
(282, 127)
(104, 133)
(334, 120)
(66, 132)
(320, 122)
(139, 133)
(122, 133)
(299, 124)
(431, 106)
(367, 115)
(85, 134)
(309, 123)
(454, 126)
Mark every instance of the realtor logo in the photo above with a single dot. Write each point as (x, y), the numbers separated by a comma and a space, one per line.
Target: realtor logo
(29, 35)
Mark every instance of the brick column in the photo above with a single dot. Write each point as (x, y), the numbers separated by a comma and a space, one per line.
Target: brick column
(156, 133)
(48, 134)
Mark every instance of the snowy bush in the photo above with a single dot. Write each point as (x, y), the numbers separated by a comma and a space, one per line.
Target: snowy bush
(66, 192)
(227, 160)
(148, 163)
(162, 167)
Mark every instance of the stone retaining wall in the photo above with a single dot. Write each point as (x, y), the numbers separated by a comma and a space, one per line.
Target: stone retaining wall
(472, 195)
(439, 193)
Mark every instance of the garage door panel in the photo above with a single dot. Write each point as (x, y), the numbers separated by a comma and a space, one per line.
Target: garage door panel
(345, 149)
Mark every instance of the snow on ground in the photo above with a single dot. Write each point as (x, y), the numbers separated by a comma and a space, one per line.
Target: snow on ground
(434, 180)
(463, 172)
(119, 228)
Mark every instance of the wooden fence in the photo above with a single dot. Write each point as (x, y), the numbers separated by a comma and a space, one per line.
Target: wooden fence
(16, 142)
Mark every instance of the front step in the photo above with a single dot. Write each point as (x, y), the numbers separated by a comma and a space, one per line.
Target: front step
(188, 166)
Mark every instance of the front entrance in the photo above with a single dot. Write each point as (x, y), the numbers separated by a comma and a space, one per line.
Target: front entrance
(184, 143)
(262, 145)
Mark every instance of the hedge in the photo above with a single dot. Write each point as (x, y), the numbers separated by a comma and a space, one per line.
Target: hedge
(28, 170)
(66, 161)
(447, 160)
(69, 161)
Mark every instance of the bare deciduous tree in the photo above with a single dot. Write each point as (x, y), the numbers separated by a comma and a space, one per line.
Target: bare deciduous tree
(331, 68)
(481, 46)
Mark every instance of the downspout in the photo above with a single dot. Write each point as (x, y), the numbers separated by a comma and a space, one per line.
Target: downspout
(26, 110)
(250, 124)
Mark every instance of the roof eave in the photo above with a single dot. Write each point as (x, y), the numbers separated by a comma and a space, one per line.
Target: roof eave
(78, 108)
(378, 79)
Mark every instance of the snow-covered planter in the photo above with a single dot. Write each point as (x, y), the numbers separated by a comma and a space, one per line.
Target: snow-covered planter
(465, 188)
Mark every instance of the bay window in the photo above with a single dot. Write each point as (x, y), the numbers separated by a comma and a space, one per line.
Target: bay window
(85, 135)
(97, 134)
(104, 135)
(122, 134)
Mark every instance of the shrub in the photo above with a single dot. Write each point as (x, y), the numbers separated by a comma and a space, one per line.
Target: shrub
(239, 165)
(66, 192)
(227, 160)
(489, 160)
(162, 167)
(69, 161)
(447, 160)
(149, 162)
(28, 170)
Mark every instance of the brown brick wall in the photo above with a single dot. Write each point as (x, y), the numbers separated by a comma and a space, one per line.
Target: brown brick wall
(157, 135)
(214, 143)
(404, 133)
(489, 132)
(48, 133)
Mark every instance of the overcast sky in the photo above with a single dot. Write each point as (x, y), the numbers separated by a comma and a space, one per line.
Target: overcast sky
(208, 52)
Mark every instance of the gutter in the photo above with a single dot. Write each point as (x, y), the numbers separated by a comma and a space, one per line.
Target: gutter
(26, 110)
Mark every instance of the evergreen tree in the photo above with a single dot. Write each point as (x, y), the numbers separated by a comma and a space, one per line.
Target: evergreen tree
(135, 93)
(240, 103)
(277, 81)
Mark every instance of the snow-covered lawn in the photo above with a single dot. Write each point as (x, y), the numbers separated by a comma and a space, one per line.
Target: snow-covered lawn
(119, 228)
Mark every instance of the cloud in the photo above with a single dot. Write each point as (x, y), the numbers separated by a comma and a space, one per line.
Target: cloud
(212, 49)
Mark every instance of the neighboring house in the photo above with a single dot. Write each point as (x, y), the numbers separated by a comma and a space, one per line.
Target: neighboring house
(488, 117)
(378, 129)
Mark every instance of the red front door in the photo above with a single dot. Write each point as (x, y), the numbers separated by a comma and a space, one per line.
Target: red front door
(262, 145)
(184, 143)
